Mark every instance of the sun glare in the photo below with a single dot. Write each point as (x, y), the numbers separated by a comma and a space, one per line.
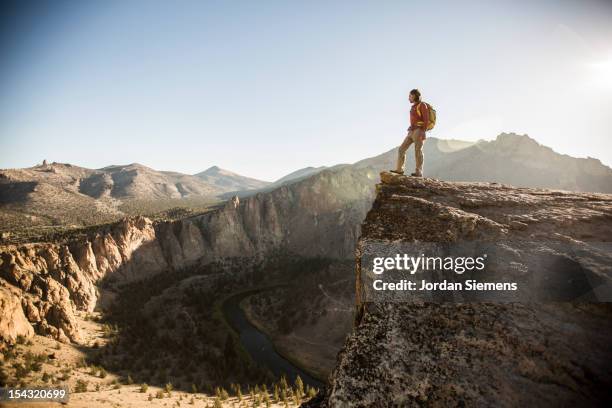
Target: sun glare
(601, 73)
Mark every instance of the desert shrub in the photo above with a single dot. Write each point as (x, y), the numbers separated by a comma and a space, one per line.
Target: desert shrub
(21, 371)
(168, 387)
(9, 353)
(3, 377)
(81, 386)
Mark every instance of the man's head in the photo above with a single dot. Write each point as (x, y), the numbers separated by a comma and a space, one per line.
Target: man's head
(414, 96)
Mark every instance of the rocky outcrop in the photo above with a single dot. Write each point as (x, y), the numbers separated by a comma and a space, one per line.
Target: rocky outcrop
(57, 279)
(422, 353)
(13, 322)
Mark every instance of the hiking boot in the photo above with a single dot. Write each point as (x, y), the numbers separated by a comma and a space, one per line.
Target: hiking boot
(416, 175)
(396, 171)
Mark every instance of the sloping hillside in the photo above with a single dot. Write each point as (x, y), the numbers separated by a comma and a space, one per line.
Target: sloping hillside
(62, 195)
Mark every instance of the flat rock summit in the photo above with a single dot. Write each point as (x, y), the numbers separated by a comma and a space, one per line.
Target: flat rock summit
(527, 353)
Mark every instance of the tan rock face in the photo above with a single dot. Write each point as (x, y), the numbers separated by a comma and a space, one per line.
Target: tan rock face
(62, 278)
(13, 322)
(483, 354)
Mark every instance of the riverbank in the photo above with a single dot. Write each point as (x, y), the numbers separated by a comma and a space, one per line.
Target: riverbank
(298, 351)
(256, 343)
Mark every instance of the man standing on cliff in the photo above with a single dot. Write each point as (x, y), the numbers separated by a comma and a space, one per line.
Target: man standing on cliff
(419, 121)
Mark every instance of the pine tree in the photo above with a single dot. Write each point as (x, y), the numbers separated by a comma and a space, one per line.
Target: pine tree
(266, 399)
(283, 395)
(239, 392)
(299, 387)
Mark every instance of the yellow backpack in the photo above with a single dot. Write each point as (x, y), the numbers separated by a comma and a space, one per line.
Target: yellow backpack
(432, 115)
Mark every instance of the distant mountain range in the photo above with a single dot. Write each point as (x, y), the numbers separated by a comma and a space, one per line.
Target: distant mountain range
(63, 194)
(509, 159)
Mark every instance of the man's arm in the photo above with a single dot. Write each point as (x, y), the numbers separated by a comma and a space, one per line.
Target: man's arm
(424, 115)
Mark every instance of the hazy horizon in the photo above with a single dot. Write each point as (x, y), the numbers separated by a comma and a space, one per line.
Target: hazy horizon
(143, 163)
(265, 89)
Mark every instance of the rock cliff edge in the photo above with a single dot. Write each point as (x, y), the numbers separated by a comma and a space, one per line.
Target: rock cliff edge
(484, 354)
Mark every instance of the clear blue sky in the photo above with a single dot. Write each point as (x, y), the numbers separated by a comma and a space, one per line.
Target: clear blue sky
(263, 87)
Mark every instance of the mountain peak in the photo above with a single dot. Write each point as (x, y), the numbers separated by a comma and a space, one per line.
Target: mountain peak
(229, 181)
(131, 166)
(512, 137)
(212, 170)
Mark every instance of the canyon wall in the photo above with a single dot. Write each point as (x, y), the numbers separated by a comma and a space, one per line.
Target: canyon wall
(318, 216)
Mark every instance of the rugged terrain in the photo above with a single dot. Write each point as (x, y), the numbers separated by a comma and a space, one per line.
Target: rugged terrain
(169, 270)
(419, 353)
(175, 271)
(51, 197)
(315, 217)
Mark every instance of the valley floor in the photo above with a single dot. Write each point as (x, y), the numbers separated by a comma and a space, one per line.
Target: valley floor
(64, 366)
